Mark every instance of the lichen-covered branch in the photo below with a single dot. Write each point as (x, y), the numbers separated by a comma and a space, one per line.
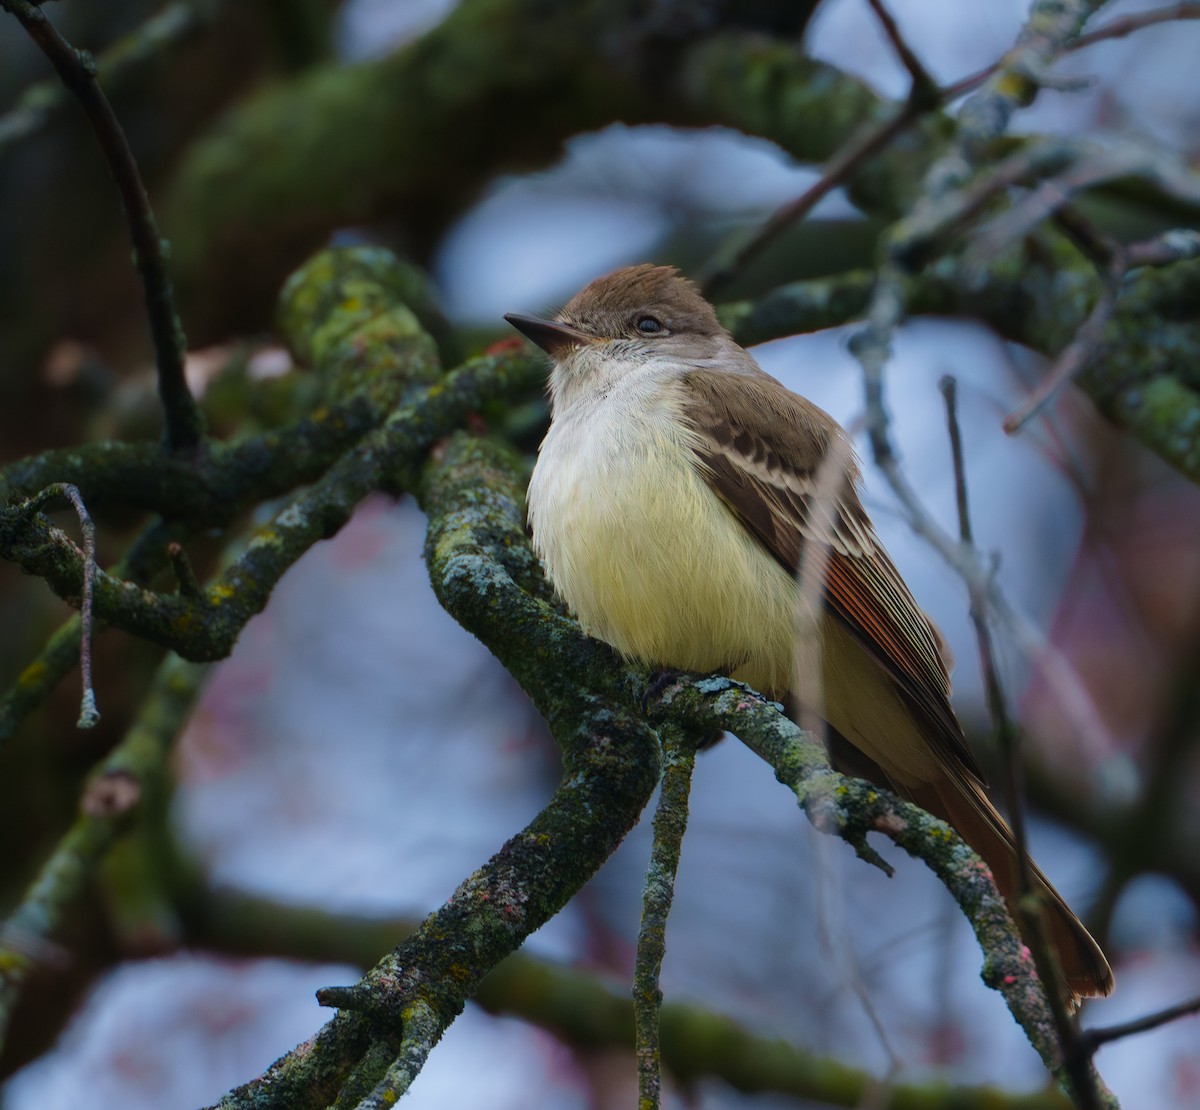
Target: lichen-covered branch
(370, 348)
(578, 1007)
(133, 769)
(1143, 378)
(658, 894)
(851, 808)
(483, 572)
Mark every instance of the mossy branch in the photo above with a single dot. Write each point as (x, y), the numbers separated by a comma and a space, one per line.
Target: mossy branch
(850, 809)
(578, 1007)
(133, 769)
(1039, 294)
(484, 573)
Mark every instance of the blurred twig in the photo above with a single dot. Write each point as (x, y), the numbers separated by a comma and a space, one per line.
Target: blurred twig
(923, 88)
(1078, 351)
(923, 97)
(1029, 906)
(175, 24)
(578, 1007)
(112, 793)
(183, 422)
(944, 203)
(1128, 24)
(1095, 1038)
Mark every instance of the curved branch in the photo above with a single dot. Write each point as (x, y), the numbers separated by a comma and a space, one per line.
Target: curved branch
(483, 571)
(851, 808)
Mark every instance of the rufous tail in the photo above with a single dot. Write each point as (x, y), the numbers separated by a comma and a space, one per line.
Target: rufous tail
(964, 805)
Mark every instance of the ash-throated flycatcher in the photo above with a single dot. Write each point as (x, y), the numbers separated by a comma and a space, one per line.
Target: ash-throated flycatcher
(671, 504)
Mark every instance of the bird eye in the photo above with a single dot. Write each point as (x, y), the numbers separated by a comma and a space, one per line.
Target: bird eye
(648, 325)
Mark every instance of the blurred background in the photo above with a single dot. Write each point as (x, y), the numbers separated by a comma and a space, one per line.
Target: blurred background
(360, 754)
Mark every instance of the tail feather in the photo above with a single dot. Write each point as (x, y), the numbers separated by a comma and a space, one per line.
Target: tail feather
(967, 808)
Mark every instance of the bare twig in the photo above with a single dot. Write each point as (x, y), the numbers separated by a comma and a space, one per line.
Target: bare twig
(1118, 28)
(184, 424)
(173, 25)
(923, 88)
(63, 649)
(838, 169)
(1030, 909)
(1095, 1038)
(89, 715)
(923, 96)
(1114, 261)
(1128, 24)
(1078, 351)
(1176, 245)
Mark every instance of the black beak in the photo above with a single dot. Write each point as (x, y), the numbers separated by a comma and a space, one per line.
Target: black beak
(554, 339)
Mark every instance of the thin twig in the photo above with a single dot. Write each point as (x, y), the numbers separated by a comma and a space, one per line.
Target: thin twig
(89, 715)
(1078, 351)
(1094, 1038)
(1008, 738)
(670, 823)
(839, 168)
(1118, 28)
(923, 88)
(63, 649)
(981, 584)
(163, 30)
(1128, 24)
(923, 96)
(183, 422)
(1177, 245)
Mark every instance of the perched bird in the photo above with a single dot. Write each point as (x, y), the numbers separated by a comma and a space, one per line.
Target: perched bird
(671, 504)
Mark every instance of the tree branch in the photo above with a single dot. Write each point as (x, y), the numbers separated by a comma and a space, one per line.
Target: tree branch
(850, 808)
(482, 568)
(658, 893)
(134, 768)
(183, 422)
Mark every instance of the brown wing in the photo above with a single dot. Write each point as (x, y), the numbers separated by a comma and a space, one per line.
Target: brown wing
(765, 464)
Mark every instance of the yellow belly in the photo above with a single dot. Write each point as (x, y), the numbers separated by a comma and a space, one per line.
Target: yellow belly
(653, 563)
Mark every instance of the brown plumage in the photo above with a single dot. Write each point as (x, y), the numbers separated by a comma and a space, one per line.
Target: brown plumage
(642, 350)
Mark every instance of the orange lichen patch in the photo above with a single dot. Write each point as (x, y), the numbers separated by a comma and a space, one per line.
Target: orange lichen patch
(504, 346)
